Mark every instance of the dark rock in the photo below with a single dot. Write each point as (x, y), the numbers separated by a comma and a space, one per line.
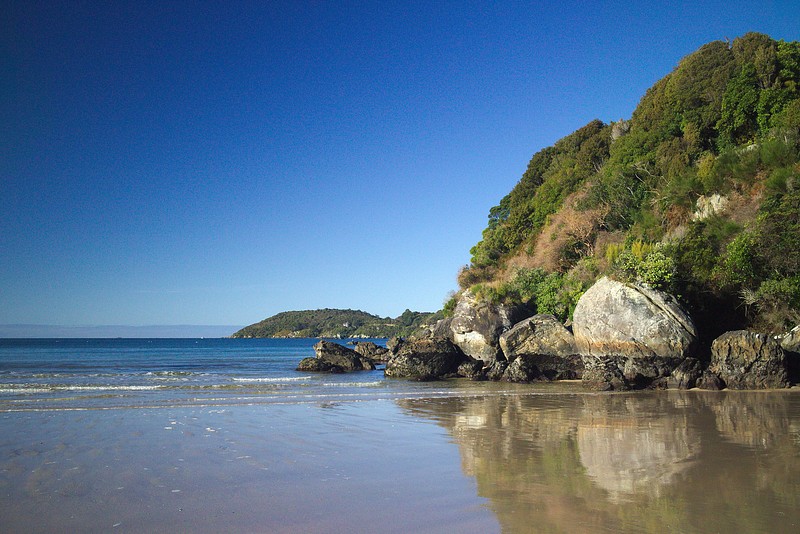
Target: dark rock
(316, 365)
(685, 375)
(472, 369)
(643, 332)
(341, 356)
(791, 346)
(392, 343)
(373, 352)
(748, 360)
(545, 367)
(496, 369)
(604, 374)
(522, 369)
(428, 358)
(709, 381)
(541, 334)
(476, 326)
(442, 329)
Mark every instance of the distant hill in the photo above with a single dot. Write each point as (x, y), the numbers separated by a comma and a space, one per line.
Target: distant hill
(336, 324)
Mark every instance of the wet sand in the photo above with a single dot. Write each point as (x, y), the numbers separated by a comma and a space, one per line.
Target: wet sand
(511, 462)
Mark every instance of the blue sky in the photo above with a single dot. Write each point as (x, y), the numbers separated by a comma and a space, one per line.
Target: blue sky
(219, 162)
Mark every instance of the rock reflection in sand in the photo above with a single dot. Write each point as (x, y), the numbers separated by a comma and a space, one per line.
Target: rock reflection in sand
(630, 445)
(648, 462)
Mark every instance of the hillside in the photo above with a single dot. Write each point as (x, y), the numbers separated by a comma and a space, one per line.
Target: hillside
(697, 193)
(333, 323)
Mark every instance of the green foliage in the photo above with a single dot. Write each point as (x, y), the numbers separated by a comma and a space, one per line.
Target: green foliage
(779, 233)
(643, 262)
(552, 175)
(739, 266)
(335, 324)
(739, 121)
(726, 120)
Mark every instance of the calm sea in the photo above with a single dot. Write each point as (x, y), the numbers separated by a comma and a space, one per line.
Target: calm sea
(70, 374)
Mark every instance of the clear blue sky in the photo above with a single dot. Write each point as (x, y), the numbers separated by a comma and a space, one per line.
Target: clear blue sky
(219, 162)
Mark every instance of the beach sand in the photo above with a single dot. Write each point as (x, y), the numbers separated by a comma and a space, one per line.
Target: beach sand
(541, 462)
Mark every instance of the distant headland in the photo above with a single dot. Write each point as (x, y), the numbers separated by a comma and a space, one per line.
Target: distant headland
(336, 323)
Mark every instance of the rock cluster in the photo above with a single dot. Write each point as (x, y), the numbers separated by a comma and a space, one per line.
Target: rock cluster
(334, 358)
(623, 336)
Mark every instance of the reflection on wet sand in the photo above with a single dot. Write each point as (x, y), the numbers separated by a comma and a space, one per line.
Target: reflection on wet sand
(679, 461)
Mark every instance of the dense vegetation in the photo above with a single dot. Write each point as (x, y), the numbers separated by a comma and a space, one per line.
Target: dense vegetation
(697, 194)
(333, 323)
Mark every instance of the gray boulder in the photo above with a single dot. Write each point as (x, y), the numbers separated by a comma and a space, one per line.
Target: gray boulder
(370, 350)
(341, 356)
(424, 359)
(546, 344)
(748, 360)
(643, 332)
(476, 326)
(540, 334)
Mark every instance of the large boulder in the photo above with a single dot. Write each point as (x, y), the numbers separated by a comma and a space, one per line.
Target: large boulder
(372, 351)
(540, 334)
(476, 326)
(316, 365)
(342, 357)
(748, 360)
(645, 333)
(424, 359)
(548, 348)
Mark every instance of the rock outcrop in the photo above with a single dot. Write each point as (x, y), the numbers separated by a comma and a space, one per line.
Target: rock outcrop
(476, 326)
(370, 350)
(333, 357)
(791, 345)
(540, 334)
(425, 359)
(748, 360)
(547, 346)
(685, 376)
(642, 332)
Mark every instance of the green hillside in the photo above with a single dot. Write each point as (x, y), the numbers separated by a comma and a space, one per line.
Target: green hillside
(698, 194)
(335, 323)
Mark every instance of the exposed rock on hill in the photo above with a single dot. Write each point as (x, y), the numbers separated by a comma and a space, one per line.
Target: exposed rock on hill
(642, 332)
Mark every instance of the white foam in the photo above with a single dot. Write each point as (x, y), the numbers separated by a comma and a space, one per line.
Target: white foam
(275, 380)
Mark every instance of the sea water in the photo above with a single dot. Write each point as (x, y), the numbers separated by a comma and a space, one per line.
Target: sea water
(225, 436)
(80, 374)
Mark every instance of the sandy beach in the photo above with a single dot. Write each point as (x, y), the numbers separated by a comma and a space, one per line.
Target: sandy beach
(543, 462)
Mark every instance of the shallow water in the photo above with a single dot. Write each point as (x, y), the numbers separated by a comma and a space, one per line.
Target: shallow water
(278, 451)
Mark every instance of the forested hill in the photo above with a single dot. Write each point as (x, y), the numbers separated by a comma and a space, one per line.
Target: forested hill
(335, 323)
(698, 193)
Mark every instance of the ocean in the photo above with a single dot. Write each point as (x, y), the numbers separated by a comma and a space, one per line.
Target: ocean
(223, 435)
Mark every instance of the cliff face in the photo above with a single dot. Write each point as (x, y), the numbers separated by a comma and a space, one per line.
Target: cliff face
(698, 194)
